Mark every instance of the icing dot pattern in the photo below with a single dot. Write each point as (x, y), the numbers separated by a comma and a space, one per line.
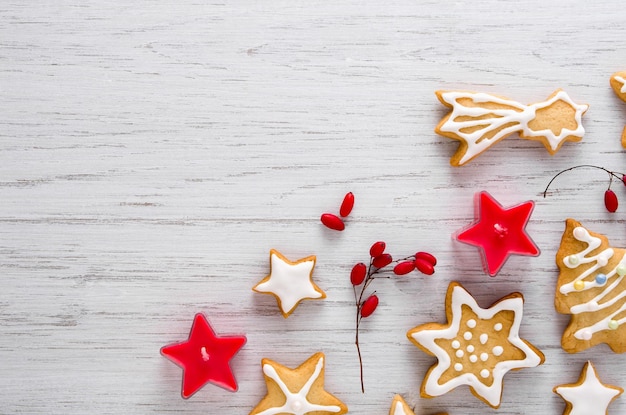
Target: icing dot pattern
(474, 349)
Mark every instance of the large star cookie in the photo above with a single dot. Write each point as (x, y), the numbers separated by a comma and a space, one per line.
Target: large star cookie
(205, 357)
(591, 288)
(476, 347)
(297, 391)
(588, 395)
(290, 282)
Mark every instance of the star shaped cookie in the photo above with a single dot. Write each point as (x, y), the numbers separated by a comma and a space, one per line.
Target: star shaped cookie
(400, 407)
(499, 232)
(618, 83)
(588, 395)
(476, 347)
(297, 391)
(205, 357)
(290, 282)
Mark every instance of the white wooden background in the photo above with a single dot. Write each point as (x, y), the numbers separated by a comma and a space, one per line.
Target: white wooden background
(152, 153)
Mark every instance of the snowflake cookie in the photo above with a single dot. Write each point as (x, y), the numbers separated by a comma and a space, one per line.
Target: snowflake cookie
(476, 347)
(290, 282)
(297, 391)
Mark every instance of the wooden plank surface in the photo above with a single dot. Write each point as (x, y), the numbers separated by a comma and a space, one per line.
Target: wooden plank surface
(151, 154)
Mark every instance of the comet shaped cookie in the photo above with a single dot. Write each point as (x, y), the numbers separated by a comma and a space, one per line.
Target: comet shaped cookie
(480, 120)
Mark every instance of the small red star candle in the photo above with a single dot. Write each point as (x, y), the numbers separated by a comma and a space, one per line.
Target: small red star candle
(499, 232)
(205, 357)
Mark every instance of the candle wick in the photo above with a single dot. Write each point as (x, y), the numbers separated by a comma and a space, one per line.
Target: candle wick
(205, 355)
(500, 230)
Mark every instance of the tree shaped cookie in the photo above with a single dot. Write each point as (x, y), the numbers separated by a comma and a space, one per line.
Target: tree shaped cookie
(591, 288)
(480, 120)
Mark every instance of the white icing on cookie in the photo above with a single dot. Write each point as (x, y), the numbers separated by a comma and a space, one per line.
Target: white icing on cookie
(590, 396)
(296, 403)
(429, 339)
(623, 82)
(399, 410)
(611, 284)
(290, 281)
(502, 122)
(399, 407)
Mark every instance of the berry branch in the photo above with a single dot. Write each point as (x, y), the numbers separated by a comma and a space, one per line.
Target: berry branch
(363, 275)
(610, 198)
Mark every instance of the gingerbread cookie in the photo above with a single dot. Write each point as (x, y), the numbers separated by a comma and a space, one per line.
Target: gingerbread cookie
(290, 282)
(588, 395)
(297, 391)
(476, 347)
(592, 289)
(618, 83)
(400, 407)
(480, 120)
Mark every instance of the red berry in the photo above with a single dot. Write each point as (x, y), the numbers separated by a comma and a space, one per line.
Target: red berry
(424, 266)
(357, 276)
(624, 179)
(382, 261)
(369, 306)
(404, 268)
(332, 222)
(610, 200)
(426, 256)
(377, 249)
(346, 205)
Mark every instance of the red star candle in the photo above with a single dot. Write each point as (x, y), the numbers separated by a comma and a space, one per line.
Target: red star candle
(499, 232)
(205, 357)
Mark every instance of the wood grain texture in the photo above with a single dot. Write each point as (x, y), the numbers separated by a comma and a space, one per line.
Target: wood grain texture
(152, 153)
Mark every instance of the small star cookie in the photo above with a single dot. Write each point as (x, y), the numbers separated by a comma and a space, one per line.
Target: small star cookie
(297, 391)
(290, 282)
(477, 346)
(400, 407)
(588, 395)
